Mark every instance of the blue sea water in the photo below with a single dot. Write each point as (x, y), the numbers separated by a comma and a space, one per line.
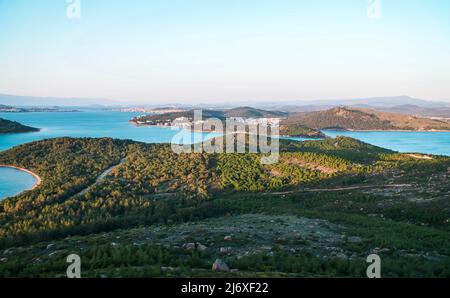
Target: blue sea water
(13, 182)
(88, 123)
(98, 123)
(406, 142)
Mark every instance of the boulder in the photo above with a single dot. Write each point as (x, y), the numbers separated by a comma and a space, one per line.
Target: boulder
(200, 247)
(297, 236)
(52, 254)
(384, 250)
(225, 250)
(354, 239)
(194, 246)
(341, 256)
(221, 266)
(189, 246)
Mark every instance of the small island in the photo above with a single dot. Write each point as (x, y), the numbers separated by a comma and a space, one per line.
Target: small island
(244, 115)
(7, 126)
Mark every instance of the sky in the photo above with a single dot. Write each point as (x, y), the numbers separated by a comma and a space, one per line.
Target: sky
(216, 51)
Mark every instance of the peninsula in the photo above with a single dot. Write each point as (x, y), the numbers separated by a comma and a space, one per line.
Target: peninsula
(362, 119)
(7, 126)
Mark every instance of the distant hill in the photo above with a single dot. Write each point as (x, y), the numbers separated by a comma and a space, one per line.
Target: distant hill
(242, 112)
(7, 126)
(441, 112)
(10, 109)
(296, 130)
(392, 101)
(364, 119)
(169, 117)
(15, 100)
(247, 112)
(374, 103)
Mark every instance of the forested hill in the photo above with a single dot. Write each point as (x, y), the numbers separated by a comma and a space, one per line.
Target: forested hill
(320, 211)
(247, 112)
(7, 126)
(364, 119)
(68, 166)
(297, 130)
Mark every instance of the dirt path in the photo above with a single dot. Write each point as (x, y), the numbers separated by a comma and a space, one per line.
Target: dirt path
(101, 177)
(420, 156)
(338, 189)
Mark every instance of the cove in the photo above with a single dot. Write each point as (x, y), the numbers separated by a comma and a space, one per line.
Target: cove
(14, 181)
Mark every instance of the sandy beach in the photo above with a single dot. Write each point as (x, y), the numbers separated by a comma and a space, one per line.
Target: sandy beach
(38, 179)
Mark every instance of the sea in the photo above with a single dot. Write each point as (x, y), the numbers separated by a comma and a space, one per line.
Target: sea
(115, 124)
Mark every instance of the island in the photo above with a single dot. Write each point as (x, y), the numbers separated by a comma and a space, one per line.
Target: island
(7, 127)
(245, 115)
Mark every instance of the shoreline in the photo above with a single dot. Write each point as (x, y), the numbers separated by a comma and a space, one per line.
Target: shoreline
(38, 178)
(386, 130)
(343, 130)
(207, 131)
(21, 132)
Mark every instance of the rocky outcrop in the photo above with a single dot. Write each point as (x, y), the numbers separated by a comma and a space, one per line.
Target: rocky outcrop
(195, 246)
(221, 266)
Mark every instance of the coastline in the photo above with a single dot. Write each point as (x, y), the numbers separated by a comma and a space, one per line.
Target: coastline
(326, 129)
(207, 131)
(17, 132)
(38, 178)
(384, 130)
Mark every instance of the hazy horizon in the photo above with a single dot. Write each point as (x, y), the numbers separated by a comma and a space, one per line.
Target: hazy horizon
(216, 52)
(26, 100)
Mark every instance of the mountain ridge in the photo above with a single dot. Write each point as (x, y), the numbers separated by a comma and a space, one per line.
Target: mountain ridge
(386, 101)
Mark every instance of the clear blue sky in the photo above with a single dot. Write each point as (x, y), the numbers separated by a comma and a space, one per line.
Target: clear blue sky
(225, 50)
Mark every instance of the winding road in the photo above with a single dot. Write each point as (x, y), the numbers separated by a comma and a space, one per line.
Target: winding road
(101, 177)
